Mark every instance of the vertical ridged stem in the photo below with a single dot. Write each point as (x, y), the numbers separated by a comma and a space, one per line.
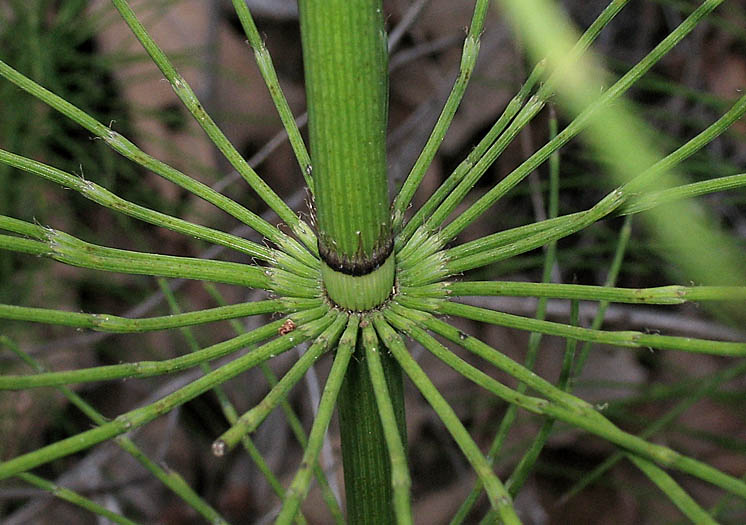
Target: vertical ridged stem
(391, 424)
(345, 61)
(367, 467)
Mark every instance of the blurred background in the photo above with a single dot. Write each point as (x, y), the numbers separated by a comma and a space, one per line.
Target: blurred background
(82, 51)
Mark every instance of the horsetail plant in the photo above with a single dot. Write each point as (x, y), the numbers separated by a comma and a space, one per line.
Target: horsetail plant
(367, 275)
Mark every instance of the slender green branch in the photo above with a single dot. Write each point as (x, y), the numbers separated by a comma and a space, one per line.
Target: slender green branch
(578, 124)
(528, 460)
(469, 56)
(34, 231)
(127, 149)
(229, 411)
(673, 294)
(611, 278)
(140, 416)
(70, 250)
(527, 113)
(518, 476)
(513, 107)
(526, 463)
(687, 191)
(73, 497)
(693, 394)
(250, 420)
(400, 480)
(480, 377)
(142, 369)
(554, 169)
(494, 248)
(189, 99)
(498, 496)
(627, 338)
(292, 419)
(563, 406)
(556, 406)
(267, 69)
(673, 491)
(568, 359)
(104, 197)
(115, 324)
(439, 266)
(169, 478)
(506, 237)
(301, 483)
(446, 208)
(690, 235)
(534, 340)
(19, 244)
(673, 159)
(723, 505)
(514, 481)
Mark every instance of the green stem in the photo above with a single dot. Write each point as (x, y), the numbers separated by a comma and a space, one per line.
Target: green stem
(345, 60)
(367, 468)
(400, 479)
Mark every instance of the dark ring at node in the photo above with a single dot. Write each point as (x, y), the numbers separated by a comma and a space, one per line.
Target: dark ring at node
(357, 266)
